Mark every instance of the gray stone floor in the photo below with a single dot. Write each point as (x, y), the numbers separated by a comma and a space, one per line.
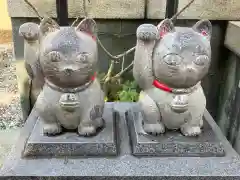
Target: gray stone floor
(8, 137)
(10, 109)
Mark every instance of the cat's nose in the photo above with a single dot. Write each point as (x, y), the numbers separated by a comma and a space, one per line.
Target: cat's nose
(190, 70)
(68, 71)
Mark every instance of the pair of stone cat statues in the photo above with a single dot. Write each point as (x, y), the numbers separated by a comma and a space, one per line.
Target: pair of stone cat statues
(169, 64)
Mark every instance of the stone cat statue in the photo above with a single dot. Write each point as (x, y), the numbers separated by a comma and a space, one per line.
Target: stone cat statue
(30, 33)
(71, 97)
(169, 64)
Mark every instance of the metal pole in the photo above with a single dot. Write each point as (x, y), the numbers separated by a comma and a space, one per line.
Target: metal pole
(62, 12)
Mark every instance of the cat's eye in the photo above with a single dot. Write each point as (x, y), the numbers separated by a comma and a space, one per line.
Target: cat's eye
(198, 49)
(83, 57)
(201, 60)
(172, 59)
(54, 56)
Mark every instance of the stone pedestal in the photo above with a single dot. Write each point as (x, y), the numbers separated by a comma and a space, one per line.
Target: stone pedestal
(124, 164)
(70, 144)
(171, 143)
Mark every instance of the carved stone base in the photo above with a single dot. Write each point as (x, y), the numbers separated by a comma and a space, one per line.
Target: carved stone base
(123, 166)
(70, 144)
(171, 143)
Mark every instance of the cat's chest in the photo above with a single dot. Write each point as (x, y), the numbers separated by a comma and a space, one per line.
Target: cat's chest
(69, 119)
(163, 100)
(162, 97)
(54, 97)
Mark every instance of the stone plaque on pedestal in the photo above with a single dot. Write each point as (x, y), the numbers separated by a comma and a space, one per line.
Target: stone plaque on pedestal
(171, 143)
(70, 144)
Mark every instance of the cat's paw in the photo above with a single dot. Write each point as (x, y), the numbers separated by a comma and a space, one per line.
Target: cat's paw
(201, 123)
(191, 131)
(147, 32)
(51, 129)
(87, 130)
(29, 31)
(99, 122)
(154, 129)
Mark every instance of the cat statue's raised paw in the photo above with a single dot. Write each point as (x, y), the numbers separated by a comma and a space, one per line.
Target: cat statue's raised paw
(72, 97)
(169, 64)
(30, 32)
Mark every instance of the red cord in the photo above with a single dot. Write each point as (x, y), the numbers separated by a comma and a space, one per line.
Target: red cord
(161, 86)
(204, 33)
(94, 76)
(89, 34)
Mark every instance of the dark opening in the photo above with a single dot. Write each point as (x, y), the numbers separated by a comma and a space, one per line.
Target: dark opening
(62, 12)
(171, 8)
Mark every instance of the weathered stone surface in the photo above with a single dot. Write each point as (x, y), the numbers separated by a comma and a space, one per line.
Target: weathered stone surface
(18, 8)
(125, 164)
(24, 88)
(200, 9)
(30, 33)
(172, 96)
(211, 9)
(172, 143)
(130, 9)
(71, 95)
(156, 9)
(7, 140)
(229, 114)
(70, 144)
(109, 9)
(232, 38)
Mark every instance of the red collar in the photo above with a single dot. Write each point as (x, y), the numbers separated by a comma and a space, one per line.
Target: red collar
(164, 87)
(71, 90)
(94, 76)
(161, 86)
(92, 36)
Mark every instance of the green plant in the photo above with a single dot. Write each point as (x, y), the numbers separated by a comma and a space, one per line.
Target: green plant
(128, 92)
(118, 90)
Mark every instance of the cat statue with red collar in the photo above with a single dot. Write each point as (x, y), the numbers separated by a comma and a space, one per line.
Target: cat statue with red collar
(169, 64)
(71, 97)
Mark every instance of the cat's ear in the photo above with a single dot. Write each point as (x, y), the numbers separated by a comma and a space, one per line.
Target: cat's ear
(88, 26)
(48, 25)
(203, 27)
(165, 26)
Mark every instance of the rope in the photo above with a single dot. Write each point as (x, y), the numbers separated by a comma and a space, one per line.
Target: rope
(34, 9)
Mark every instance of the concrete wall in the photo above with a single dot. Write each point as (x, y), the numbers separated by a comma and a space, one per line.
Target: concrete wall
(130, 9)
